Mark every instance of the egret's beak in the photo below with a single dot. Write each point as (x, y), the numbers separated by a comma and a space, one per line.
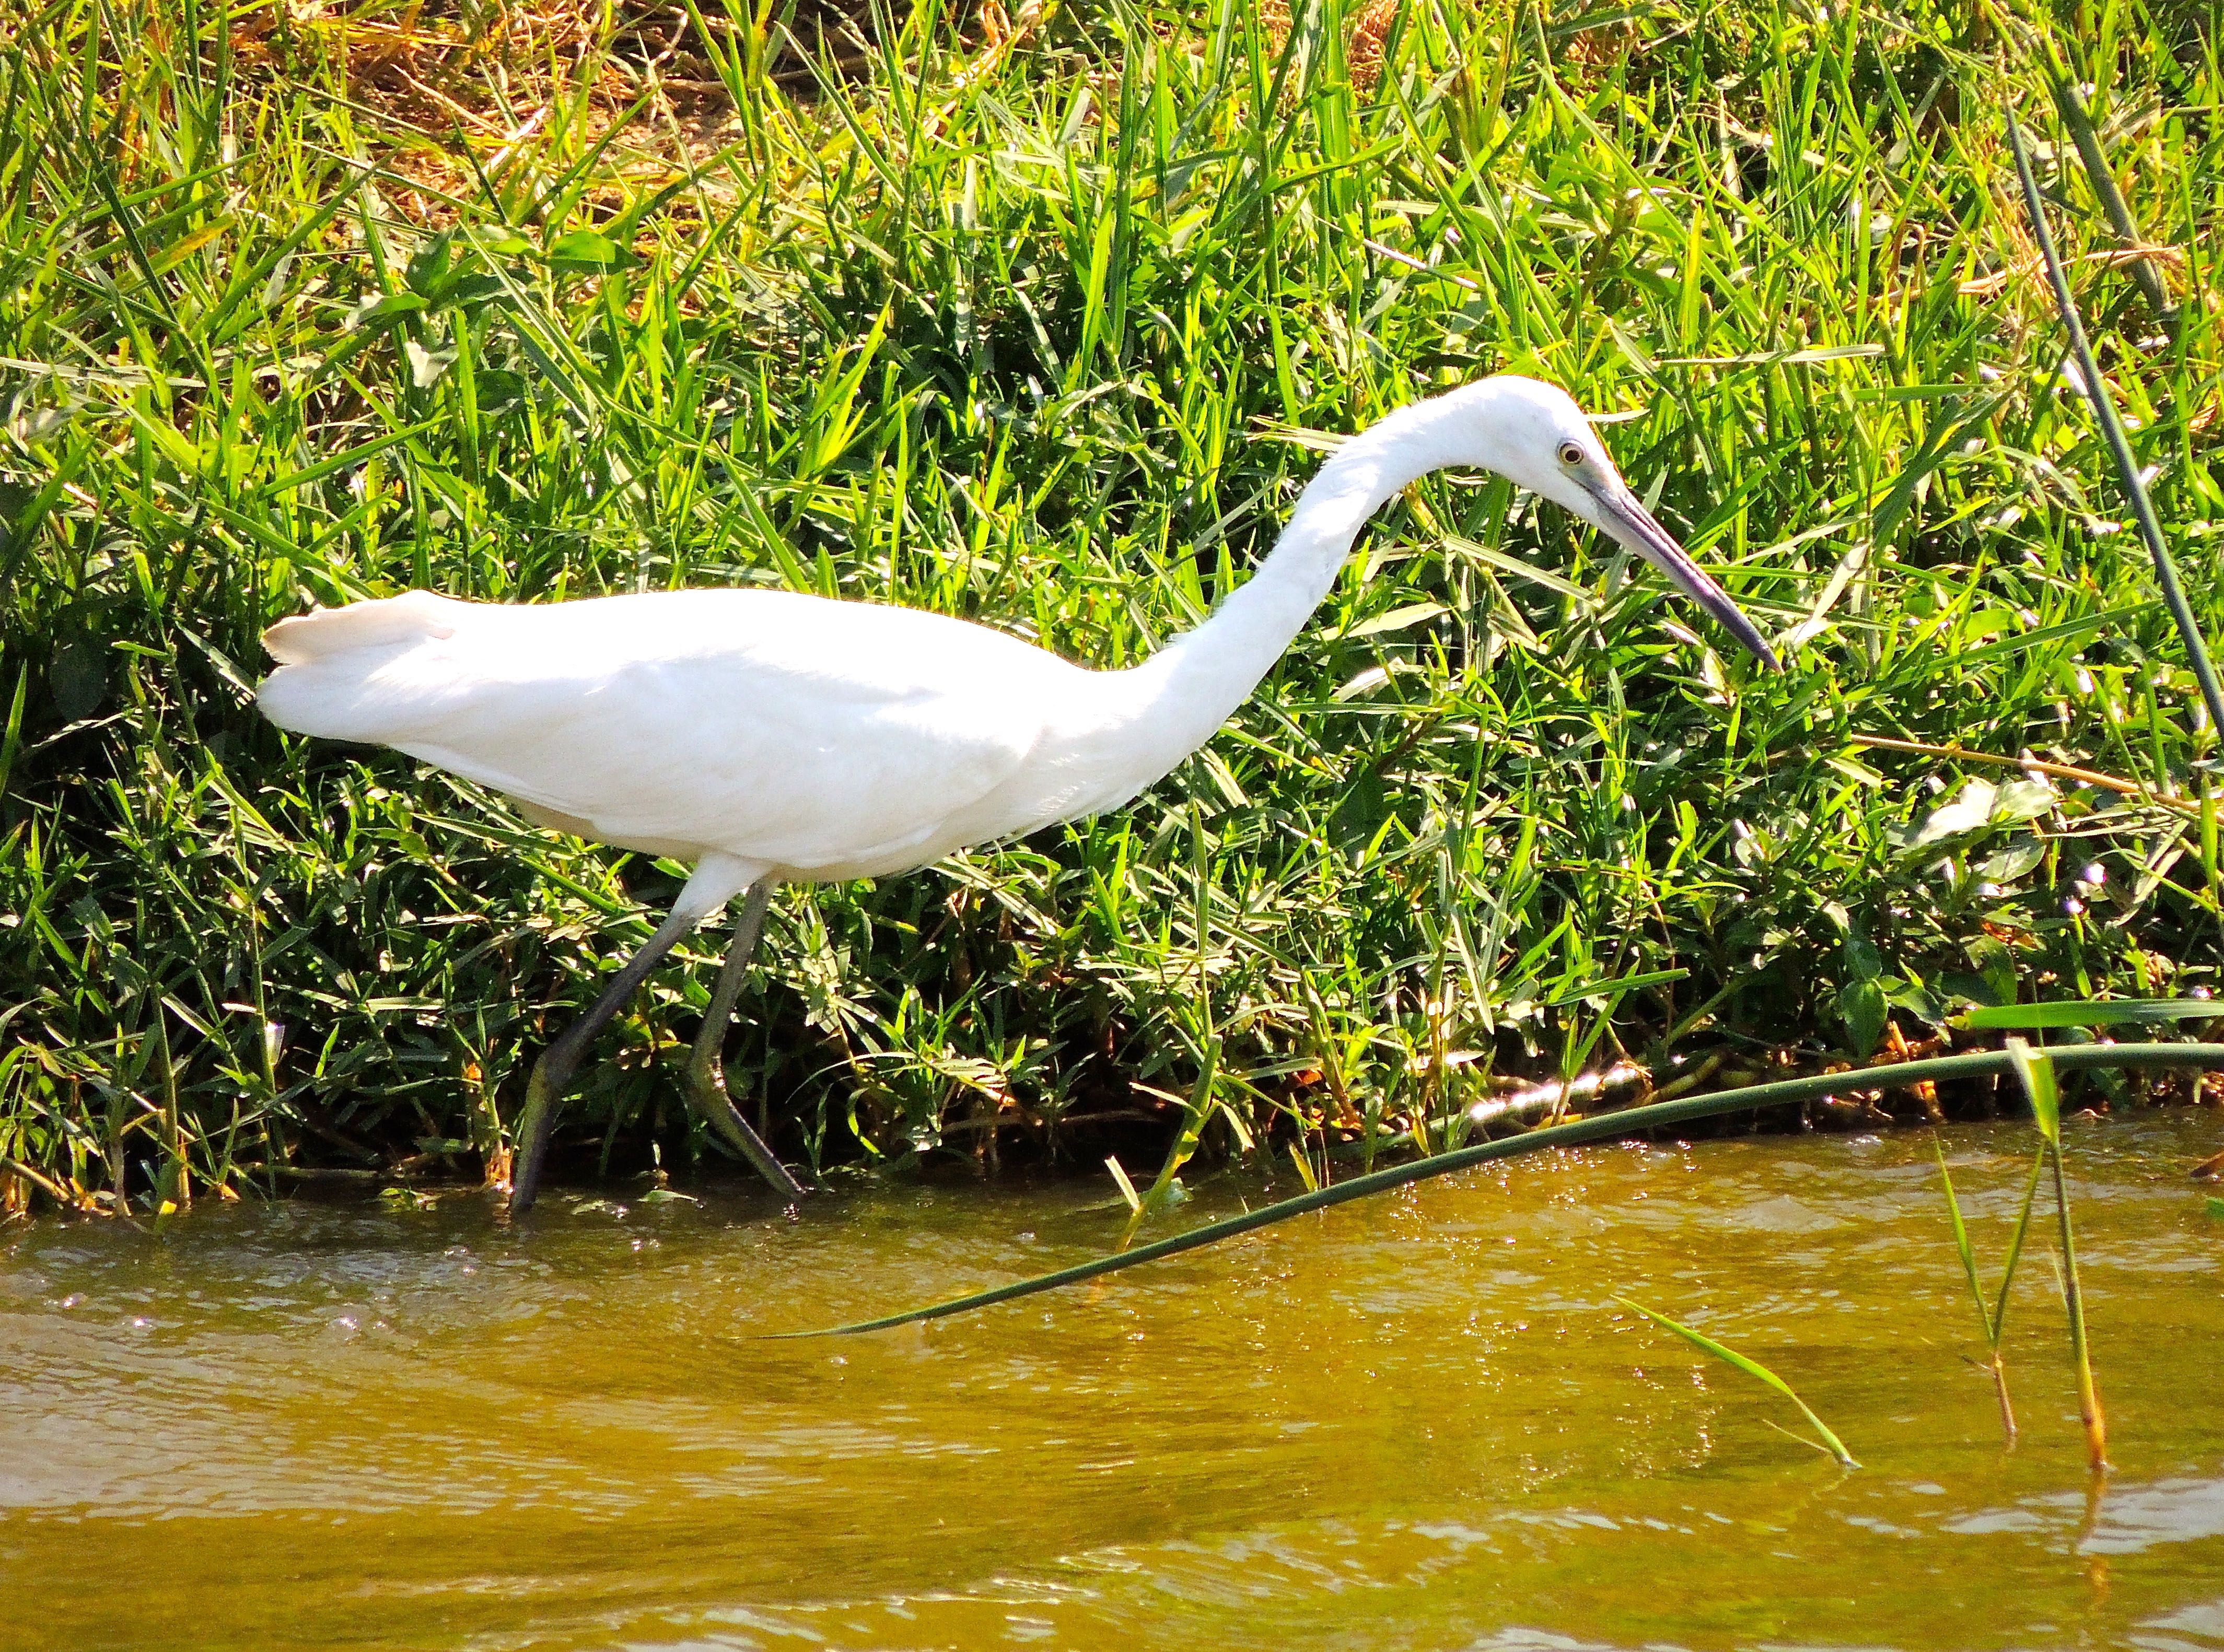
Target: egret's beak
(1629, 522)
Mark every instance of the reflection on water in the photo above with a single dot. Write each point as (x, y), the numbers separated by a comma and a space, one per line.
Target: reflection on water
(1415, 1423)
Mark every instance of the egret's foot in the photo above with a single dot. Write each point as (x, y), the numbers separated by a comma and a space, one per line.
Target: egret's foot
(706, 1073)
(706, 1094)
(534, 1126)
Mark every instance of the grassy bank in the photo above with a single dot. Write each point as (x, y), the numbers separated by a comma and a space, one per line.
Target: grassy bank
(1041, 318)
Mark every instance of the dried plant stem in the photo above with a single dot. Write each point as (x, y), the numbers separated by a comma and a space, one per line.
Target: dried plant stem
(2036, 766)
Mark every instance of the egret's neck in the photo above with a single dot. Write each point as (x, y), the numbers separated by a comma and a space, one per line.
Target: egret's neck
(1192, 685)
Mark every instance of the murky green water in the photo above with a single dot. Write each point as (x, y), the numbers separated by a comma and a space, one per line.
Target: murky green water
(1413, 1423)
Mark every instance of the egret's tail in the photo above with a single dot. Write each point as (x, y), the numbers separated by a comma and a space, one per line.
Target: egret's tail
(328, 658)
(413, 616)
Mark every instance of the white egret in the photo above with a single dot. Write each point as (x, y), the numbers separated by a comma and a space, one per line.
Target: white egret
(771, 737)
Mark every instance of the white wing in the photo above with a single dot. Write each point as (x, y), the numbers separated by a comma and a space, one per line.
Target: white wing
(807, 734)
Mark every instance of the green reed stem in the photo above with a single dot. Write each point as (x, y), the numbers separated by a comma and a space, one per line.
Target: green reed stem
(2035, 1068)
(1600, 1127)
(2119, 446)
(2079, 120)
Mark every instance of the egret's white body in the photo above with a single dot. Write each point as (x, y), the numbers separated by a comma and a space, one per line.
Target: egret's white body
(791, 736)
(770, 736)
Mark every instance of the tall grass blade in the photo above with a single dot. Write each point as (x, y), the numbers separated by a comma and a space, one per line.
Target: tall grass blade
(12, 740)
(1991, 1316)
(1961, 1241)
(2119, 446)
(1751, 1368)
(1127, 1187)
(1659, 1115)
(2015, 1244)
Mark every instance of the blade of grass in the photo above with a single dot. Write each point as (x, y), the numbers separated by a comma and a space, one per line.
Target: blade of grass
(2015, 1244)
(1992, 1315)
(1127, 1187)
(2034, 1070)
(1962, 1240)
(1751, 1368)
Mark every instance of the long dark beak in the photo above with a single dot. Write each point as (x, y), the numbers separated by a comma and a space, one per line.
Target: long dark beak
(1629, 522)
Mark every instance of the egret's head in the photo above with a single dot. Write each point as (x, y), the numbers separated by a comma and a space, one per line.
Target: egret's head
(1536, 436)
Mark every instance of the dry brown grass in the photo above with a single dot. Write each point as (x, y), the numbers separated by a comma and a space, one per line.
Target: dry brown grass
(1364, 40)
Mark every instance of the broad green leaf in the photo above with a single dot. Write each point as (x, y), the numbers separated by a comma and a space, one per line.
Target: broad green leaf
(2006, 866)
(585, 248)
(1864, 1008)
(427, 367)
(1982, 805)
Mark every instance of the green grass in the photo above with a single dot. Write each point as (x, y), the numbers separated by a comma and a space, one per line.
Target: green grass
(1752, 1368)
(1049, 338)
(1992, 1313)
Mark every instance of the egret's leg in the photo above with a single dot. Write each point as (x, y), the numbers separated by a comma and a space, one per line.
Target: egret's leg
(706, 1072)
(553, 1072)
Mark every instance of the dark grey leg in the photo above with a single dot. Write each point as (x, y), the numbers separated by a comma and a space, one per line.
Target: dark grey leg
(706, 1072)
(553, 1072)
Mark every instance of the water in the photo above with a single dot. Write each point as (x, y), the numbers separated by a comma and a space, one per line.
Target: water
(1417, 1423)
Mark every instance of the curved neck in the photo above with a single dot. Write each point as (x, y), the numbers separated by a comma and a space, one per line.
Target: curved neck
(1191, 685)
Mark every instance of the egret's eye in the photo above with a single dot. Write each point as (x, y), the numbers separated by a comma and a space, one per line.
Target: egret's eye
(1572, 454)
